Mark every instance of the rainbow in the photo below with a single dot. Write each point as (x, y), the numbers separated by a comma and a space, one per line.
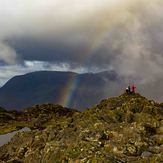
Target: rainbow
(110, 16)
(69, 89)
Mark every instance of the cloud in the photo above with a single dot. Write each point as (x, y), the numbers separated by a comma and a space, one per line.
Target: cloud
(10, 70)
(89, 35)
(68, 24)
(7, 53)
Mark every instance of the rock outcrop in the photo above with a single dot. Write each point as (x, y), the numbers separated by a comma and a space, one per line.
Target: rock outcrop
(128, 128)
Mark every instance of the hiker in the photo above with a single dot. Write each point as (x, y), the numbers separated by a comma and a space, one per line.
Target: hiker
(133, 88)
(128, 90)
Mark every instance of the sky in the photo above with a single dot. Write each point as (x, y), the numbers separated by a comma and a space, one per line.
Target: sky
(84, 36)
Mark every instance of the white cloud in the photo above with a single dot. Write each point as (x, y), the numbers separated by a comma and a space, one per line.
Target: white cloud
(7, 53)
(9, 71)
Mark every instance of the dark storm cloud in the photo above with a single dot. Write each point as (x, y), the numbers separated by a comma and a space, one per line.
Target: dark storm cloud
(53, 52)
(133, 39)
(122, 35)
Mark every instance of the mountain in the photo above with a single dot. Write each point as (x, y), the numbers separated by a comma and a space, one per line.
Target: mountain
(123, 129)
(66, 88)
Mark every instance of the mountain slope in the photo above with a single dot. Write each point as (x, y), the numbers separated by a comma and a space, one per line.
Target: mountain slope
(54, 87)
(128, 128)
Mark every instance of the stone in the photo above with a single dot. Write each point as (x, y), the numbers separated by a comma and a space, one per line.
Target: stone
(146, 154)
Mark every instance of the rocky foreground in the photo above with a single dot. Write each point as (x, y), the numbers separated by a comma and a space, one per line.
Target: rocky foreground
(128, 128)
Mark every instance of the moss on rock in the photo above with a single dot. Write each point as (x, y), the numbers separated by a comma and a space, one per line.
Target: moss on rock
(119, 129)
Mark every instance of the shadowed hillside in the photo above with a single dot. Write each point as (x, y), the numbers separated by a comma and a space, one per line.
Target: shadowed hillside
(128, 128)
(65, 88)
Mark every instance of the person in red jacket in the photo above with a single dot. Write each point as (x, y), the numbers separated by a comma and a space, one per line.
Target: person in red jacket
(133, 88)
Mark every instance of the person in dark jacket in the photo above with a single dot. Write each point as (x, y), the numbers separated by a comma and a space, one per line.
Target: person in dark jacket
(128, 90)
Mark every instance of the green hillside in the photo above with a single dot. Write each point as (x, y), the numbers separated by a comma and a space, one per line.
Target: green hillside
(128, 128)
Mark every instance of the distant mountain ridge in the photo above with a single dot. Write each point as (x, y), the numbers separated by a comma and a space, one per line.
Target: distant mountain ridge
(54, 87)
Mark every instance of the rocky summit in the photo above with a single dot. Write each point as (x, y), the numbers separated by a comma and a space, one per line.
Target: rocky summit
(124, 129)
